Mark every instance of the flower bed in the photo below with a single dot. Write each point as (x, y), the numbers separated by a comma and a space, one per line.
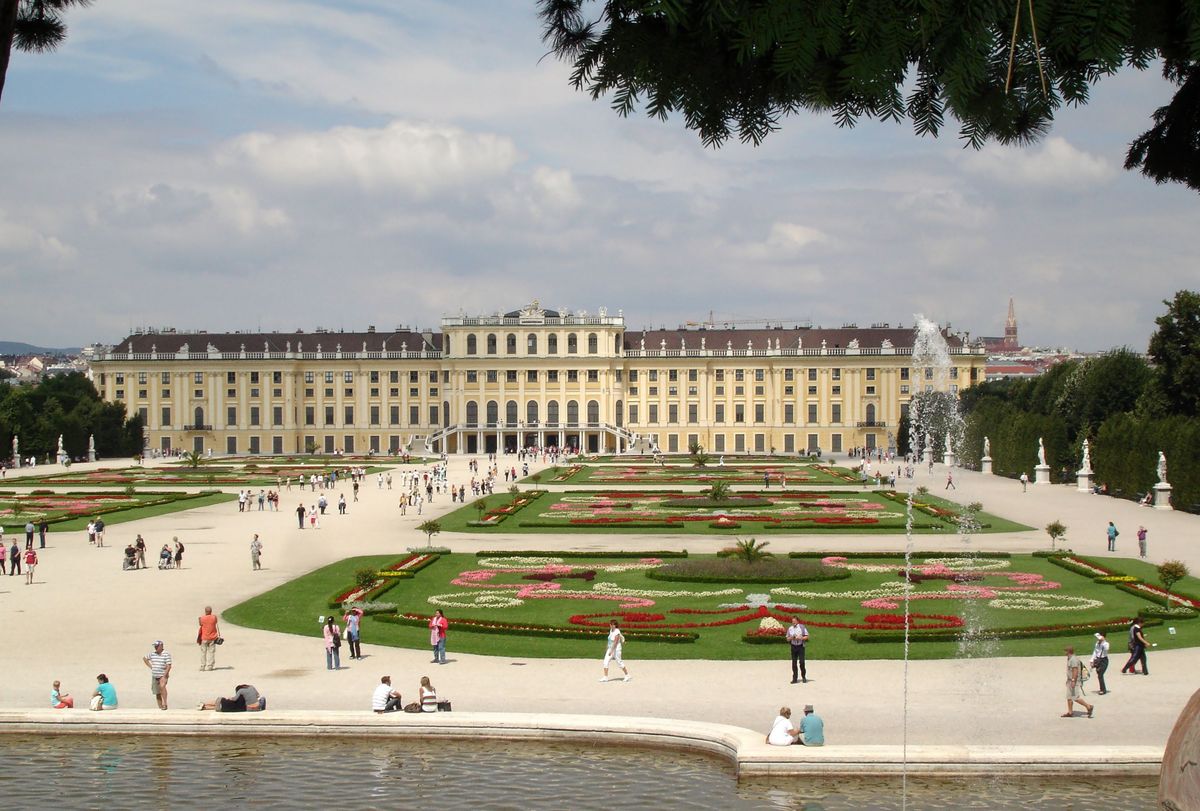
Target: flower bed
(385, 580)
(728, 570)
(1159, 594)
(558, 554)
(776, 474)
(56, 507)
(1028, 632)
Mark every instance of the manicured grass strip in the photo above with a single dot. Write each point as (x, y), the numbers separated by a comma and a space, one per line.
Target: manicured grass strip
(538, 553)
(171, 503)
(533, 629)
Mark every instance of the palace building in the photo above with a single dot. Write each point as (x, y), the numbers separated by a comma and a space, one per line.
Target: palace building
(531, 377)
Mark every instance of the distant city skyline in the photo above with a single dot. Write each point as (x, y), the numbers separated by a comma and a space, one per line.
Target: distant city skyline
(260, 164)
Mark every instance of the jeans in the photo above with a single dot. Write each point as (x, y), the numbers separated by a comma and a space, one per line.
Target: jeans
(439, 651)
(1138, 654)
(798, 659)
(355, 647)
(333, 658)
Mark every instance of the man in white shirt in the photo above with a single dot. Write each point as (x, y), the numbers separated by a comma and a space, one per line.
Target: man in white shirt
(1100, 660)
(797, 636)
(385, 698)
(782, 732)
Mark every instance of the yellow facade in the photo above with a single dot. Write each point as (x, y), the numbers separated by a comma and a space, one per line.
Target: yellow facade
(531, 377)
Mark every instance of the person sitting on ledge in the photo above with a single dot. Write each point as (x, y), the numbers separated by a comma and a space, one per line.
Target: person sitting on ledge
(60, 699)
(782, 732)
(812, 728)
(105, 695)
(1148, 499)
(385, 699)
(246, 699)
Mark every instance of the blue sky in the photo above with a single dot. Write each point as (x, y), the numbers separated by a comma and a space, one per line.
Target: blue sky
(238, 164)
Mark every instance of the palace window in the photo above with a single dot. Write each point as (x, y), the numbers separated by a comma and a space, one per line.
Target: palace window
(472, 345)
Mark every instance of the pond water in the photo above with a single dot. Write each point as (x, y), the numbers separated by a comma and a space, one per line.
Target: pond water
(244, 772)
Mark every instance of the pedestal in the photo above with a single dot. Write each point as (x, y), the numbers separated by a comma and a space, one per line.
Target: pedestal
(948, 459)
(1084, 480)
(1162, 496)
(1041, 474)
(985, 465)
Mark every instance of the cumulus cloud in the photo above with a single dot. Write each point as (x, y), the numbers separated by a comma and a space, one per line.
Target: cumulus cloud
(416, 157)
(1054, 163)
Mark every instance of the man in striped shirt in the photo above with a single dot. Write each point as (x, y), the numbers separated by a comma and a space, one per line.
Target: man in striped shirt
(159, 662)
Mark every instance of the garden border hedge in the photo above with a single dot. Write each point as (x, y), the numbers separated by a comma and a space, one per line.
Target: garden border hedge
(656, 574)
(1029, 632)
(538, 629)
(557, 553)
(899, 555)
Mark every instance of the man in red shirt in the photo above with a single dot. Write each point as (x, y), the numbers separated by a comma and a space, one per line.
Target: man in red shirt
(207, 639)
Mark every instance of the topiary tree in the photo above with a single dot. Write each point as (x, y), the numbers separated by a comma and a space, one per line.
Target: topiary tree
(1056, 530)
(481, 507)
(1171, 572)
(430, 528)
(535, 478)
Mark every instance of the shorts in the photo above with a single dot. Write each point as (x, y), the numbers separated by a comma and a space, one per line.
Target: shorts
(155, 686)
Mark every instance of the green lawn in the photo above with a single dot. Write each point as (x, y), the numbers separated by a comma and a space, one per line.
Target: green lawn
(294, 608)
(206, 475)
(768, 512)
(648, 475)
(71, 511)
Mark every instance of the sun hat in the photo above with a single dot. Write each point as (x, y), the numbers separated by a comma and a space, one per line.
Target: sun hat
(808, 708)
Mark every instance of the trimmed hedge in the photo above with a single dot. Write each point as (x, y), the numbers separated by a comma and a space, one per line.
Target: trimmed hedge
(666, 573)
(389, 582)
(1116, 625)
(709, 504)
(556, 553)
(1153, 598)
(538, 629)
(157, 499)
(1159, 612)
(900, 555)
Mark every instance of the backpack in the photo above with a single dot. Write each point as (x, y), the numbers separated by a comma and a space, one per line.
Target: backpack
(1085, 672)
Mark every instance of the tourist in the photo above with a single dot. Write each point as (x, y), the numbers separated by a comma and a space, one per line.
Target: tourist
(429, 699)
(159, 662)
(31, 560)
(14, 559)
(1137, 649)
(99, 531)
(105, 695)
(43, 528)
(950, 481)
(333, 644)
(59, 699)
(352, 619)
(1112, 533)
(164, 557)
(29, 530)
(256, 548)
(208, 637)
(300, 513)
(438, 624)
(797, 636)
(178, 553)
(1075, 685)
(245, 699)
(130, 559)
(385, 699)
(140, 546)
(812, 728)
(314, 520)
(341, 503)
(3, 551)
(91, 532)
(1141, 536)
(616, 641)
(1100, 659)
(1024, 482)
(782, 732)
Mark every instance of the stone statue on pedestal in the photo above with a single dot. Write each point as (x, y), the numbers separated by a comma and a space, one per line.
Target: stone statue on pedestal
(1162, 467)
(1041, 452)
(987, 447)
(1087, 456)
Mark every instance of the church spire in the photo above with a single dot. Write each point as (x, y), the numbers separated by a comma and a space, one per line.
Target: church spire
(1010, 328)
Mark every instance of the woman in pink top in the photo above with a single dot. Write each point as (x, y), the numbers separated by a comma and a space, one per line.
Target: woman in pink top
(333, 644)
(437, 636)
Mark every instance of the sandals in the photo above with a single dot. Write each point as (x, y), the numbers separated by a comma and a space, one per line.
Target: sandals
(1090, 711)
(1067, 715)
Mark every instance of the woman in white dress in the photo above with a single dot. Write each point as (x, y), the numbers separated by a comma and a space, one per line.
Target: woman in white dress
(616, 640)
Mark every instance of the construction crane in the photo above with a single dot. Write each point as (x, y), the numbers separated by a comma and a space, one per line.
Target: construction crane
(713, 323)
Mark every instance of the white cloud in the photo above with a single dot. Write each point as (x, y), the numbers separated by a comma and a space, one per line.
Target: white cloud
(419, 158)
(790, 237)
(1054, 163)
(19, 239)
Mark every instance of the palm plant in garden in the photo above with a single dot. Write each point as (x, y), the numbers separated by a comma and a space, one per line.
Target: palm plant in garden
(697, 454)
(193, 459)
(749, 550)
(719, 491)
(1171, 572)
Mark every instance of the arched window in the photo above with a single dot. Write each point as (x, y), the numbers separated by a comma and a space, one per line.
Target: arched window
(199, 416)
(531, 344)
(493, 412)
(572, 412)
(593, 412)
(593, 344)
(510, 412)
(552, 344)
(491, 344)
(472, 412)
(620, 413)
(472, 348)
(871, 413)
(572, 344)
(531, 412)
(552, 412)
(445, 413)
(510, 344)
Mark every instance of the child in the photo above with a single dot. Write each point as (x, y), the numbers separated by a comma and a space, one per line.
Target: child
(60, 700)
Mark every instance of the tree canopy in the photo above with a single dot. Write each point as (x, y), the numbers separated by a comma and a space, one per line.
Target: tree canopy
(1001, 69)
(66, 406)
(31, 25)
(1175, 347)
